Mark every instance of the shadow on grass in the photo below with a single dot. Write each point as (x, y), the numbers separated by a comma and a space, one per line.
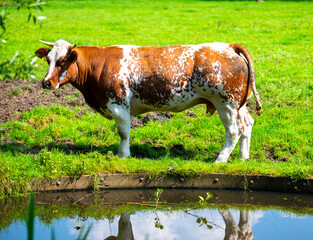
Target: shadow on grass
(137, 150)
(155, 152)
(66, 148)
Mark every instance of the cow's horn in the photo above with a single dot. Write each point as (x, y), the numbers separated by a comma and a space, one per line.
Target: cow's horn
(70, 47)
(47, 43)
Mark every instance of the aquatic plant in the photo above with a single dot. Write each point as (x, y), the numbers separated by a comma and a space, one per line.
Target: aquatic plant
(31, 219)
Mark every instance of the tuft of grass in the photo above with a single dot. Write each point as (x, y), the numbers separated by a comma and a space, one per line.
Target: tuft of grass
(15, 91)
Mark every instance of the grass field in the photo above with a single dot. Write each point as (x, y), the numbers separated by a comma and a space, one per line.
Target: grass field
(278, 35)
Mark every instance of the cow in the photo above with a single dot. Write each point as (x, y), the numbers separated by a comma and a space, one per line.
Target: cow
(120, 82)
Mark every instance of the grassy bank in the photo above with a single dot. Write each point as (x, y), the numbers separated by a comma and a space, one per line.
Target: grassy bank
(59, 141)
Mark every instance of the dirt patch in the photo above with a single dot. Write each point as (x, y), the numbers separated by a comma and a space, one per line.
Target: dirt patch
(191, 114)
(271, 155)
(156, 116)
(282, 105)
(251, 107)
(18, 96)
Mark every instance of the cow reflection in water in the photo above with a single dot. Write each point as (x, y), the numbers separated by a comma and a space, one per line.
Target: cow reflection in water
(233, 231)
(125, 231)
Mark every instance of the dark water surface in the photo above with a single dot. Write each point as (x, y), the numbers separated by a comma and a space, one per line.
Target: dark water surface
(133, 214)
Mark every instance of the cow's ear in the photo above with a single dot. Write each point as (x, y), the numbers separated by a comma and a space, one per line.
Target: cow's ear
(73, 56)
(42, 52)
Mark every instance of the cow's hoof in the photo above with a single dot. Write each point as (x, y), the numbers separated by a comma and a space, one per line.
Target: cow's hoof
(220, 161)
(243, 158)
(123, 155)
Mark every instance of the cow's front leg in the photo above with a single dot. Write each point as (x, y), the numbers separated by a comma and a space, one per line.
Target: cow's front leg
(122, 120)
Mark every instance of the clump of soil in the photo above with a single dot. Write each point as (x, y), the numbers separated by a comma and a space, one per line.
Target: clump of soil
(191, 114)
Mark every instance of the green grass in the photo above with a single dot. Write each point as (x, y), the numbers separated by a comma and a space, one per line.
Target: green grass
(279, 36)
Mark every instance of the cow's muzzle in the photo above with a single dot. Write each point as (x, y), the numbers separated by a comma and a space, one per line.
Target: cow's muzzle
(46, 84)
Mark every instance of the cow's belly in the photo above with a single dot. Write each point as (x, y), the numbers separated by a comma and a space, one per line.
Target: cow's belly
(176, 103)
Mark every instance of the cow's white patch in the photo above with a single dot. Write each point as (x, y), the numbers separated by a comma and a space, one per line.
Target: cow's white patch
(63, 75)
(217, 70)
(184, 61)
(129, 70)
(195, 47)
(216, 67)
(223, 48)
(218, 46)
(50, 71)
(59, 50)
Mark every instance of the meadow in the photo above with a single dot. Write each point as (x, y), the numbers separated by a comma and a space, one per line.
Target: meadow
(278, 35)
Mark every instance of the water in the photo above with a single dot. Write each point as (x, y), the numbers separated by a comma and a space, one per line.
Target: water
(132, 214)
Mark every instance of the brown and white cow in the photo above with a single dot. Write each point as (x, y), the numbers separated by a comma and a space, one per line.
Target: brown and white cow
(123, 81)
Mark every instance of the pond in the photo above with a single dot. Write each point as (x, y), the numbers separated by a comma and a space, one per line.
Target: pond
(177, 214)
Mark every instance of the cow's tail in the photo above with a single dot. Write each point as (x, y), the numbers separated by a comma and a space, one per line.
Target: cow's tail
(241, 51)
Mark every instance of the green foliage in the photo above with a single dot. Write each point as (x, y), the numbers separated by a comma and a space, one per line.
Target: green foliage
(203, 201)
(3, 21)
(157, 222)
(203, 221)
(157, 195)
(33, 7)
(18, 66)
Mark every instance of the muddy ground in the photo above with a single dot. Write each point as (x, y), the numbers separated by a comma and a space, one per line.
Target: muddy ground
(18, 96)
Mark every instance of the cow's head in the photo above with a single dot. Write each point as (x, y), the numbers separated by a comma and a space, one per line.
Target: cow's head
(61, 59)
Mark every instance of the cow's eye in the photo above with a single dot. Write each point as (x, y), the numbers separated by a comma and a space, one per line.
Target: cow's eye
(60, 62)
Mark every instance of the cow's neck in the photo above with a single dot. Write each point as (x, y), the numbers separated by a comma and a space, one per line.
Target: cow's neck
(88, 73)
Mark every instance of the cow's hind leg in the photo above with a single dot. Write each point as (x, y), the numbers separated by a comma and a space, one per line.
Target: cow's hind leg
(229, 117)
(122, 119)
(247, 122)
